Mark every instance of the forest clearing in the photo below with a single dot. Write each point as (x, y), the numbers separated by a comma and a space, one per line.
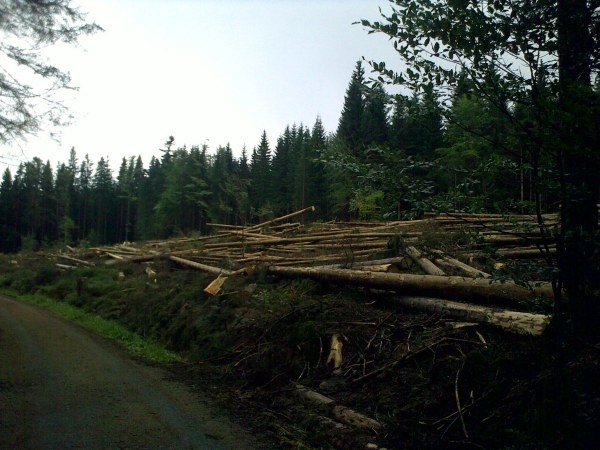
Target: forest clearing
(424, 333)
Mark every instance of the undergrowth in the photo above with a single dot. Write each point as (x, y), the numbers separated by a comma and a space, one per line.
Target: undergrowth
(260, 335)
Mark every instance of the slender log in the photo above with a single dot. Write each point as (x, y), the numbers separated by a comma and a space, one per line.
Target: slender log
(396, 260)
(224, 226)
(279, 219)
(79, 261)
(114, 255)
(465, 267)
(429, 267)
(516, 253)
(380, 268)
(512, 321)
(199, 266)
(144, 258)
(449, 287)
(341, 413)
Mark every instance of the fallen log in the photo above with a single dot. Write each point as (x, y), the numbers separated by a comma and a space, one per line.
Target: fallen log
(425, 264)
(513, 321)
(341, 413)
(79, 261)
(215, 285)
(380, 268)
(279, 219)
(507, 294)
(200, 266)
(399, 260)
(461, 265)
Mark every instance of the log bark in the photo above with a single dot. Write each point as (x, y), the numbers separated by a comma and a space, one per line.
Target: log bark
(506, 294)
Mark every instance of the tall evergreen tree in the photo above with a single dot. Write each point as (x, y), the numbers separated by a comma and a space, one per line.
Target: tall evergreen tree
(374, 123)
(9, 231)
(318, 146)
(103, 197)
(84, 205)
(148, 197)
(350, 129)
(260, 172)
(281, 165)
(65, 179)
(302, 176)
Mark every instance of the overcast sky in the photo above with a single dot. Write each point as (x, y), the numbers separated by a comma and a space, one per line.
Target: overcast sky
(206, 71)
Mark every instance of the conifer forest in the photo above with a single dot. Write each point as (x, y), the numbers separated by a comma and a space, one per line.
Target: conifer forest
(391, 157)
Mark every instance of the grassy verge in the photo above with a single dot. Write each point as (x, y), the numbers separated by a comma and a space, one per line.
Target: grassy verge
(132, 342)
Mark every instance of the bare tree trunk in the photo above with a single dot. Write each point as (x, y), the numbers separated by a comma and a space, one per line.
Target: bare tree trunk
(506, 294)
(579, 166)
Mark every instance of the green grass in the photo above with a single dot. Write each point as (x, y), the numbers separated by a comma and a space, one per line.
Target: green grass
(132, 342)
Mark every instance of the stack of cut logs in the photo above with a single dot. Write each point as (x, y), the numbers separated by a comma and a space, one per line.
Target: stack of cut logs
(358, 253)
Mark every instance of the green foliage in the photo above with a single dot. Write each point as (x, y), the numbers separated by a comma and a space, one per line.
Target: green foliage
(133, 343)
(27, 28)
(367, 204)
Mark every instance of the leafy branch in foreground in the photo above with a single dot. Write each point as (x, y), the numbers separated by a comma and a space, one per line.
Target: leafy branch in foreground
(28, 82)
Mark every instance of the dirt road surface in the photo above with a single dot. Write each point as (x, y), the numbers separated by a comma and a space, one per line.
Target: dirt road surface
(61, 387)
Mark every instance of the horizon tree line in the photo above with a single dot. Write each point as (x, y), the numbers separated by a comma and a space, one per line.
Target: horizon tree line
(391, 157)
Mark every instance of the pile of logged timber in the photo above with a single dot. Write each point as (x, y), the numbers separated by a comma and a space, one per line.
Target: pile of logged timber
(353, 253)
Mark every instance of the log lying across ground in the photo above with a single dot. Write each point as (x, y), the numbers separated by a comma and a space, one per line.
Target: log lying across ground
(199, 266)
(513, 321)
(479, 290)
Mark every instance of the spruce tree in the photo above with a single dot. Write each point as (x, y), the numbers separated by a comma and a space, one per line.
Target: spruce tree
(260, 172)
(349, 129)
(374, 124)
(318, 191)
(84, 214)
(103, 198)
(9, 231)
(282, 164)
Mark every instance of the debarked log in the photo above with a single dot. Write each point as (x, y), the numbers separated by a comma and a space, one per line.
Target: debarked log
(513, 321)
(200, 266)
(427, 266)
(479, 290)
(340, 412)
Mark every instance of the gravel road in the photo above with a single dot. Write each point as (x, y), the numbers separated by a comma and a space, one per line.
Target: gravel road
(61, 387)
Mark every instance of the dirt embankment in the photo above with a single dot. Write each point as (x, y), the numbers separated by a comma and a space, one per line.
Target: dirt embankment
(62, 387)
